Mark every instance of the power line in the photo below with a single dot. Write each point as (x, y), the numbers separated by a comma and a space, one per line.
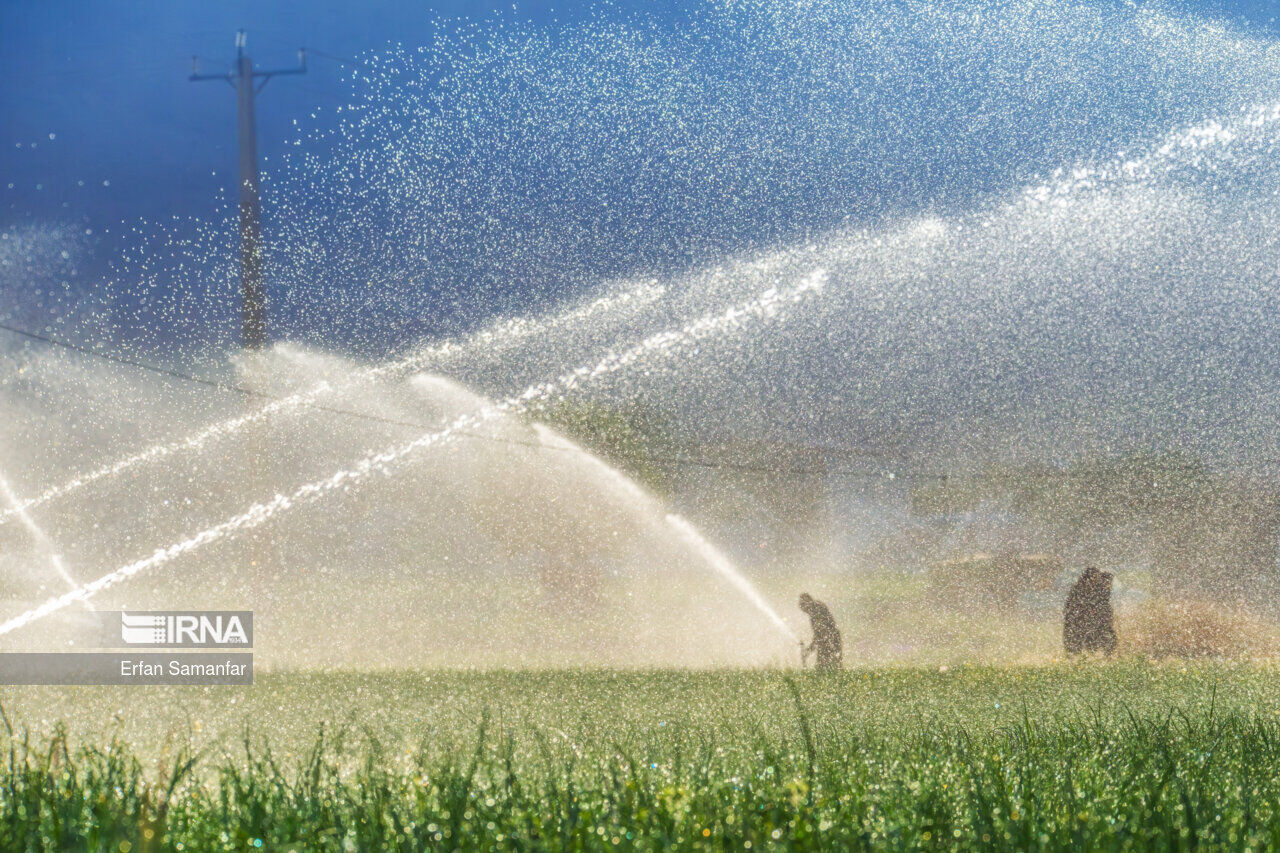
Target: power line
(311, 51)
(675, 461)
(128, 362)
(333, 57)
(200, 380)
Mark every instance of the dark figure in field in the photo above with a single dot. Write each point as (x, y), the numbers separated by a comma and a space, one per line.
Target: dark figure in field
(1087, 619)
(826, 645)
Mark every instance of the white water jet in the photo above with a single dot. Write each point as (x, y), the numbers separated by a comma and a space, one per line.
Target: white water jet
(712, 556)
(1180, 147)
(717, 559)
(500, 336)
(768, 305)
(44, 545)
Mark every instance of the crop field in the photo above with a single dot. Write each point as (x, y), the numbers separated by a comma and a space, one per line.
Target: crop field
(1086, 756)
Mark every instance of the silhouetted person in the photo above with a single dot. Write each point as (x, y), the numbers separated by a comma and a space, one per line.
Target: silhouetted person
(1087, 624)
(826, 646)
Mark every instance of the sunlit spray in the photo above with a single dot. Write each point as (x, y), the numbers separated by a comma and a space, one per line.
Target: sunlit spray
(767, 306)
(710, 555)
(41, 539)
(500, 336)
(716, 558)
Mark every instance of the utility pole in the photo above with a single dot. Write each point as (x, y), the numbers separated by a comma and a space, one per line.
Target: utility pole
(253, 296)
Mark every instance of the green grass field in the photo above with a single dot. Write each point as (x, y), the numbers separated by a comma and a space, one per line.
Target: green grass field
(1090, 756)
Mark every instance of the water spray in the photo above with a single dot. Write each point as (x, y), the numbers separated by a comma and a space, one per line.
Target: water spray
(769, 305)
(711, 556)
(1065, 183)
(501, 336)
(715, 558)
(42, 541)
(1185, 143)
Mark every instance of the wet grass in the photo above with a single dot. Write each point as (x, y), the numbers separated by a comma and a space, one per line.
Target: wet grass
(1086, 757)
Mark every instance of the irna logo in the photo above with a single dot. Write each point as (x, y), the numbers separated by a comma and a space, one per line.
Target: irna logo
(212, 628)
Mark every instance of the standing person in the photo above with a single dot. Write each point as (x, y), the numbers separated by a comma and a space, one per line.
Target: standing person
(826, 645)
(1088, 620)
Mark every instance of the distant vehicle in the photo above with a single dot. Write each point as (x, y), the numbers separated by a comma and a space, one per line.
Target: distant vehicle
(993, 580)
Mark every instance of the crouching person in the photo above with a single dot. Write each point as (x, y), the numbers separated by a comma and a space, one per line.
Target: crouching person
(827, 648)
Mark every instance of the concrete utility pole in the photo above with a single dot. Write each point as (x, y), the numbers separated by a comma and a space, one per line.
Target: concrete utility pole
(252, 289)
